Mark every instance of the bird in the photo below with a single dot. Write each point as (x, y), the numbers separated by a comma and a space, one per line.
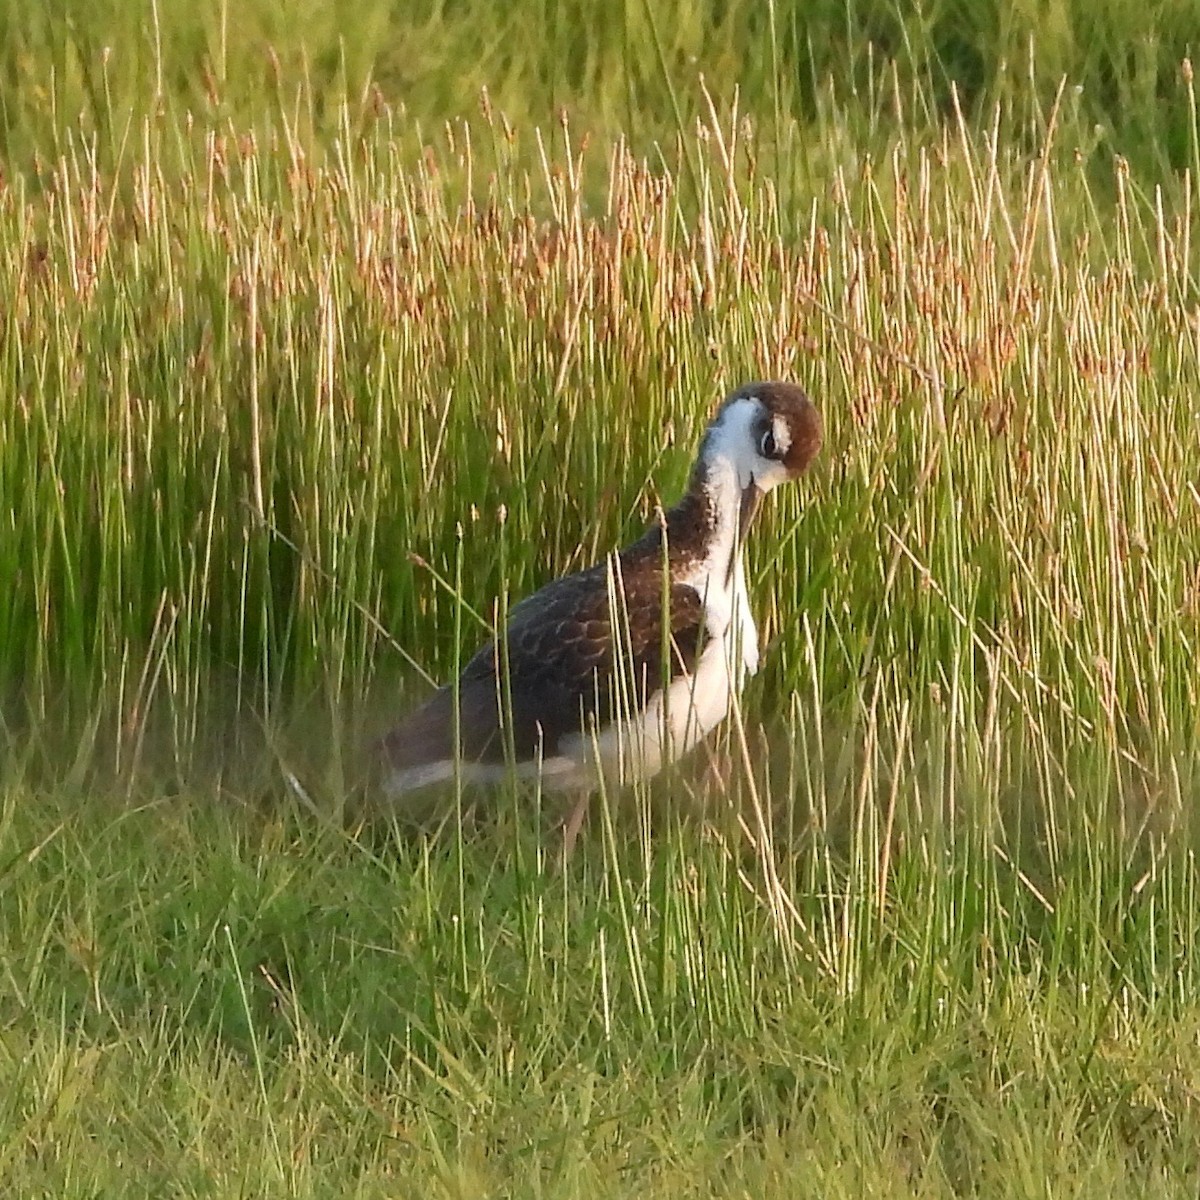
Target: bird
(607, 674)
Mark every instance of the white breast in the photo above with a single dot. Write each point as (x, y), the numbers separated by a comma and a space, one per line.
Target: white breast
(674, 722)
(691, 707)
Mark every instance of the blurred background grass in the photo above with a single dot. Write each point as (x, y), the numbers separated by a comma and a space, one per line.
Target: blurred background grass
(89, 66)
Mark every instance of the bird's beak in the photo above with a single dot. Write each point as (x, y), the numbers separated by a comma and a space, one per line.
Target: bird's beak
(751, 499)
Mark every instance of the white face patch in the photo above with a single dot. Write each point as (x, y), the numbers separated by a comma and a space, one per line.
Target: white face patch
(732, 439)
(782, 434)
(737, 440)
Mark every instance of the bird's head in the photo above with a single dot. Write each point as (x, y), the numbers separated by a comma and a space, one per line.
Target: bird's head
(768, 433)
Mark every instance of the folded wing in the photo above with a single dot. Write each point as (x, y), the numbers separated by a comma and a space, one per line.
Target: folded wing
(582, 650)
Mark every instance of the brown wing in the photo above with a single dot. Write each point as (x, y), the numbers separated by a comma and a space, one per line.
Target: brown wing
(566, 666)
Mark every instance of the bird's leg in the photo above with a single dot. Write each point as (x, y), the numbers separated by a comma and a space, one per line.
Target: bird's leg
(572, 826)
(718, 767)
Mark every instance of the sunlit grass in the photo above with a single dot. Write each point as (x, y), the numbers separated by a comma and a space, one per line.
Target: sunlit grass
(252, 405)
(264, 407)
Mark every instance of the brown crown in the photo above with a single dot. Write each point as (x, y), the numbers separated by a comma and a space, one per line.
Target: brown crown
(793, 405)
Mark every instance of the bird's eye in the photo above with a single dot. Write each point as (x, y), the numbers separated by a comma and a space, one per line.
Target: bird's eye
(767, 445)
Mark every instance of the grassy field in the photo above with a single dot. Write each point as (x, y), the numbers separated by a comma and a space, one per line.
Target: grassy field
(309, 366)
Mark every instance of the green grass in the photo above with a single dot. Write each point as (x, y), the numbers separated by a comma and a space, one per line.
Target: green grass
(89, 65)
(274, 376)
(219, 1004)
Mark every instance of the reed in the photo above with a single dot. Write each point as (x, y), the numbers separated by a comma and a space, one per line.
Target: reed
(292, 412)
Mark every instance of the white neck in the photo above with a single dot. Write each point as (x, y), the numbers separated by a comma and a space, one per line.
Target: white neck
(722, 590)
(721, 488)
(725, 472)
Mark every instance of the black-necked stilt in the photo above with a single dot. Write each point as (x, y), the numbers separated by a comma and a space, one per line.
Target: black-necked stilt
(617, 669)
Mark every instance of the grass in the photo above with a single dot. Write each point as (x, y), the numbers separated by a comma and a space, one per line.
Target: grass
(88, 65)
(221, 1005)
(290, 402)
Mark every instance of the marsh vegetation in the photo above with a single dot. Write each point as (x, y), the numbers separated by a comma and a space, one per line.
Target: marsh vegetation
(310, 353)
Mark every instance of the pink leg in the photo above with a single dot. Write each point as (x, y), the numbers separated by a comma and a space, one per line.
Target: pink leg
(718, 769)
(573, 825)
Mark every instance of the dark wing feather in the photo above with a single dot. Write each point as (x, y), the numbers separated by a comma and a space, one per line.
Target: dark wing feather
(564, 667)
